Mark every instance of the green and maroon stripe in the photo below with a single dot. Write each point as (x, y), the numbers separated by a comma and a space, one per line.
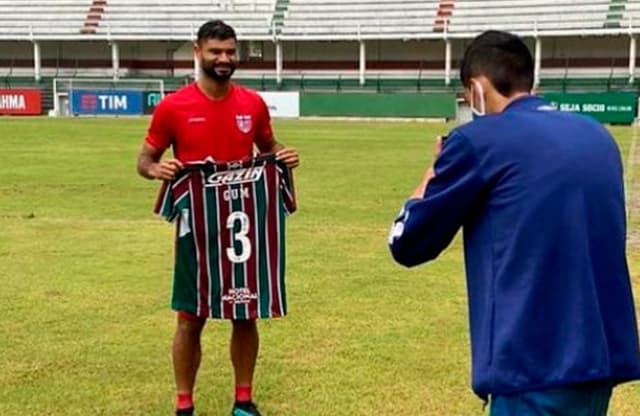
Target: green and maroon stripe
(238, 272)
(272, 237)
(164, 199)
(225, 264)
(264, 286)
(215, 290)
(221, 254)
(199, 231)
(251, 271)
(253, 264)
(287, 188)
(169, 196)
(281, 252)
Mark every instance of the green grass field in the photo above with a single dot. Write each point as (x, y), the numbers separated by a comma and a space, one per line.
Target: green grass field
(85, 325)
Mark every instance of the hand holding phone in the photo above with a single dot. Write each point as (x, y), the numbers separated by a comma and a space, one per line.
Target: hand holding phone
(438, 146)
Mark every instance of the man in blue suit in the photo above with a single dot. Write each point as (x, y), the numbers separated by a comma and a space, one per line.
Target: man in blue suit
(539, 196)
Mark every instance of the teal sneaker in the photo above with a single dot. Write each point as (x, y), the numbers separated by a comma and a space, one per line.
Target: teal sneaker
(245, 409)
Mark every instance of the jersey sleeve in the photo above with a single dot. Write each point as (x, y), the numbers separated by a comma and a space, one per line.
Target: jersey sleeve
(165, 204)
(426, 226)
(160, 134)
(264, 133)
(287, 189)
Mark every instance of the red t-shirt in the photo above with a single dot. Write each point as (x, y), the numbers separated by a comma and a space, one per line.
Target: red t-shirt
(199, 127)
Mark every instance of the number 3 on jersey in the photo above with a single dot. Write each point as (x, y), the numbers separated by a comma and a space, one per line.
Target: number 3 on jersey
(239, 236)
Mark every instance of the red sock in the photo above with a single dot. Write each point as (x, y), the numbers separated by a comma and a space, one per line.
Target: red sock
(243, 393)
(184, 401)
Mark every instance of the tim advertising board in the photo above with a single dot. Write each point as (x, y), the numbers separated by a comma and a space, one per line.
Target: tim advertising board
(20, 102)
(106, 102)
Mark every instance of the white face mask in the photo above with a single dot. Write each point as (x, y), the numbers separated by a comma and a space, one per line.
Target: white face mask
(477, 93)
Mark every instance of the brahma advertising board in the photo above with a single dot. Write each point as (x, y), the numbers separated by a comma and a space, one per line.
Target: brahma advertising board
(20, 102)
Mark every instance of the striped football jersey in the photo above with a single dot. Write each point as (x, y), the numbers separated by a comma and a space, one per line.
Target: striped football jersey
(230, 242)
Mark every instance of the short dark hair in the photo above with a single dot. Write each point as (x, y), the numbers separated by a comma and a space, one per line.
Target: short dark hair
(216, 29)
(503, 58)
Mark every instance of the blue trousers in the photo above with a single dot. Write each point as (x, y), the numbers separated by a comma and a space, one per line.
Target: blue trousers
(590, 399)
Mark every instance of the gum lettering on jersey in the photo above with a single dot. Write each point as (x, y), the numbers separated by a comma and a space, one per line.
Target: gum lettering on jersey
(229, 194)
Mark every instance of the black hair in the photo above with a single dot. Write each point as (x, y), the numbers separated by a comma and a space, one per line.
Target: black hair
(216, 29)
(501, 57)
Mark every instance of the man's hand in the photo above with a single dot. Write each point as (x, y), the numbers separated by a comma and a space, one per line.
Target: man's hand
(438, 146)
(151, 167)
(430, 173)
(165, 169)
(288, 156)
(419, 191)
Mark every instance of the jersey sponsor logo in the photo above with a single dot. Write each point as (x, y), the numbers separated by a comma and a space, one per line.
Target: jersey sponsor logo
(239, 296)
(245, 175)
(244, 123)
(12, 102)
(196, 120)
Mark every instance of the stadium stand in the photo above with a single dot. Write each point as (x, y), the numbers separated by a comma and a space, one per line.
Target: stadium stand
(445, 10)
(130, 19)
(629, 13)
(366, 19)
(358, 19)
(528, 16)
(94, 16)
(405, 43)
(170, 19)
(43, 19)
(311, 19)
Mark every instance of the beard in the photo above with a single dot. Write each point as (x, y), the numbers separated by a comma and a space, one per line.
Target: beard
(218, 73)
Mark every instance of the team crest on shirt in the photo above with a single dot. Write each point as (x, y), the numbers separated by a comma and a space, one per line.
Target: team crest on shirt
(244, 123)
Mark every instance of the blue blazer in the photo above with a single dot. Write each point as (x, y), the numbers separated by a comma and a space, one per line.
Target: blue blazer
(539, 196)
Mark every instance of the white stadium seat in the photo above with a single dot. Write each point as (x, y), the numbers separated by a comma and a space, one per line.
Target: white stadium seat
(311, 19)
(358, 18)
(41, 19)
(180, 19)
(527, 15)
(130, 19)
(343, 21)
(354, 19)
